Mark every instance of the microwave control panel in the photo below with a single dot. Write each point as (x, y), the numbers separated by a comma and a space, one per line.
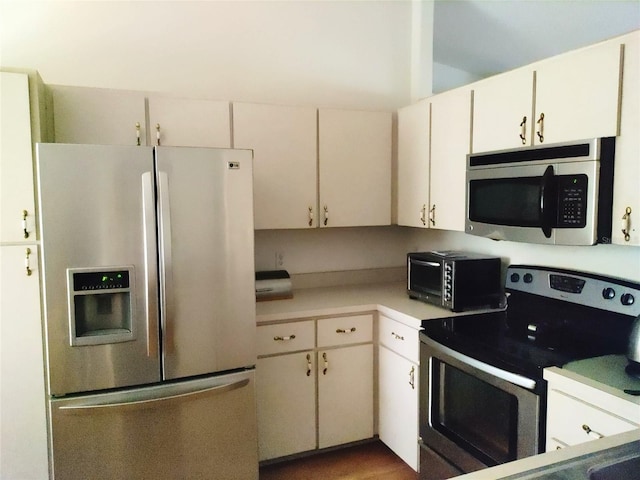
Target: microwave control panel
(572, 201)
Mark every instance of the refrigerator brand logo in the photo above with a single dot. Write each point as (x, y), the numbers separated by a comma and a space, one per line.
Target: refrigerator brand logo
(234, 165)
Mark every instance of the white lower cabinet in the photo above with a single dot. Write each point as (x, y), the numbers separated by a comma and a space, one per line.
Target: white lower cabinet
(398, 376)
(398, 405)
(286, 392)
(578, 413)
(314, 393)
(345, 395)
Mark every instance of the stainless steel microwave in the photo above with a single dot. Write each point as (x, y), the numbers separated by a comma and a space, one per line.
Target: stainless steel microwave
(555, 194)
(455, 280)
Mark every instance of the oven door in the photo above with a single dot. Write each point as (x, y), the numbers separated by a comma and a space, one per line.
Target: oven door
(475, 415)
(543, 203)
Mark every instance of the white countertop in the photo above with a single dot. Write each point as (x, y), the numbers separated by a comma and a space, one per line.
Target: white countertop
(391, 299)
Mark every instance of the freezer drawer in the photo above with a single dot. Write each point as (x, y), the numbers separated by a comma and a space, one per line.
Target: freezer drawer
(195, 429)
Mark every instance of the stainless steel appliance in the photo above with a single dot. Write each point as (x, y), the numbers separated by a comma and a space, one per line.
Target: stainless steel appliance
(556, 194)
(455, 280)
(148, 280)
(482, 393)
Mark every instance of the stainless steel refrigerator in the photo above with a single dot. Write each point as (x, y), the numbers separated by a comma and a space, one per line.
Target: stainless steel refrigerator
(148, 281)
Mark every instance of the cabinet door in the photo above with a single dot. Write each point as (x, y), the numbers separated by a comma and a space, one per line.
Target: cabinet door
(398, 405)
(503, 111)
(189, 122)
(286, 396)
(98, 116)
(16, 167)
(284, 143)
(626, 196)
(450, 141)
(345, 395)
(579, 94)
(23, 430)
(355, 168)
(413, 164)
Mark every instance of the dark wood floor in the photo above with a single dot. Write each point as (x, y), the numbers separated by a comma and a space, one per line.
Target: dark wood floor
(368, 461)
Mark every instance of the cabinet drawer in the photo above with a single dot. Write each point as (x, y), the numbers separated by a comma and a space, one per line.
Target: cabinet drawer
(285, 337)
(567, 415)
(400, 338)
(345, 330)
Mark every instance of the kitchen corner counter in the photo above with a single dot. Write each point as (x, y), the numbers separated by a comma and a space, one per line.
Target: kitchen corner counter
(391, 299)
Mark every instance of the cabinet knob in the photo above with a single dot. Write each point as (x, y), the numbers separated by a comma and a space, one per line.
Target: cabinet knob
(423, 214)
(348, 330)
(308, 364)
(626, 224)
(396, 336)
(432, 215)
(284, 339)
(326, 363)
(158, 134)
(590, 432)
(523, 130)
(138, 133)
(540, 131)
(326, 215)
(412, 377)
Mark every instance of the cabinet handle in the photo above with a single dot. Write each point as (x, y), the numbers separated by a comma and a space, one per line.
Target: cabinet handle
(308, 364)
(326, 214)
(24, 223)
(540, 131)
(310, 216)
(138, 133)
(396, 336)
(158, 134)
(423, 214)
(432, 215)
(523, 131)
(284, 339)
(412, 377)
(326, 363)
(590, 432)
(626, 224)
(349, 330)
(27, 263)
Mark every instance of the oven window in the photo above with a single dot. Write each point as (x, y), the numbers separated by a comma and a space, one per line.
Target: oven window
(477, 416)
(506, 201)
(426, 277)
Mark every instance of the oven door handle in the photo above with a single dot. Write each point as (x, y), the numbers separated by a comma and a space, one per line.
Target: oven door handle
(510, 377)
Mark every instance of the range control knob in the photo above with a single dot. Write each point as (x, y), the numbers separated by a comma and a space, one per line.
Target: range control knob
(528, 278)
(627, 299)
(608, 293)
(515, 277)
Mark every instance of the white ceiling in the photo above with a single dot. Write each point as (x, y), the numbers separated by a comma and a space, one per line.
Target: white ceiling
(485, 37)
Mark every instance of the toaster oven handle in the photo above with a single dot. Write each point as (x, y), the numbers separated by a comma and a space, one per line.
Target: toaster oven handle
(547, 194)
(425, 263)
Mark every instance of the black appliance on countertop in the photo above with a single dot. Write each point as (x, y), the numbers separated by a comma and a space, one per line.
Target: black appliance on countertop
(494, 362)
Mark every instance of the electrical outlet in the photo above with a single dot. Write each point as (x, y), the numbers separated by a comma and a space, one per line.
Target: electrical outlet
(279, 259)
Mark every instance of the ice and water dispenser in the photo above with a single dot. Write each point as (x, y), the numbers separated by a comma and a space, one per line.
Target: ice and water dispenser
(100, 305)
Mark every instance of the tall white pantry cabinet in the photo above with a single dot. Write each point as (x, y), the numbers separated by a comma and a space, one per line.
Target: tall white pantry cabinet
(23, 422)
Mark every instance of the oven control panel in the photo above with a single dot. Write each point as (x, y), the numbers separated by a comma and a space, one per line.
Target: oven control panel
(606, 293)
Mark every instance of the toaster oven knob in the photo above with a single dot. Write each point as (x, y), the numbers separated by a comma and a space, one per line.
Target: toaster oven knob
(627, 299)
(608, 293)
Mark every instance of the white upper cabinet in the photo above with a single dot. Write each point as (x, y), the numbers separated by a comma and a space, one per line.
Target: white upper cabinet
(98, 116)
(413, 164)
(17, 207)
(503, 111)
(450, 144)
(572, 96)
(355, 167)
(189, 122)
(626, 194)
(284, 143)
(578, 94)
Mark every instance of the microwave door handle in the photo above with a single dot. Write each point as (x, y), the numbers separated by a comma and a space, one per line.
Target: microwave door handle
(547, 197)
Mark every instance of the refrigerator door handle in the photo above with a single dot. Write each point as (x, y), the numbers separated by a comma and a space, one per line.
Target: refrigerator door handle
(166, 271)
(151, 270)
(152, 399)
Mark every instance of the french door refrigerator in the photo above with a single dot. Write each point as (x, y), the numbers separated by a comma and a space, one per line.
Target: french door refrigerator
(148, 288)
